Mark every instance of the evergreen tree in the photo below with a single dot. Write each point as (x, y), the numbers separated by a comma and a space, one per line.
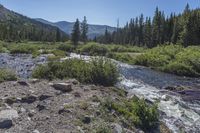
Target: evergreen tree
(84, 30)
(141, 30)
(76, 33)
(147, 32)
(58, 36)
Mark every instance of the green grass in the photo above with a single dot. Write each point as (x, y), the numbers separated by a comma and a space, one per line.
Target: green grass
(98, 71)
(7, 75)
(172, 59)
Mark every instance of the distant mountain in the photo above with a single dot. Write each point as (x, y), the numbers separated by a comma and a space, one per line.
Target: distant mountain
(94, 30)
(15, 27)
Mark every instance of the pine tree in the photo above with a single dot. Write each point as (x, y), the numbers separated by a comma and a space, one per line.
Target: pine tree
(58, 36)
(147, 32)
(157, 21)
(141, 30)
(84, 30)
(76, 33)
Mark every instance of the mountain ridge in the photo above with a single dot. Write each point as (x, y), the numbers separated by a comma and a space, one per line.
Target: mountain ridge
(94, 29)
(16, 27)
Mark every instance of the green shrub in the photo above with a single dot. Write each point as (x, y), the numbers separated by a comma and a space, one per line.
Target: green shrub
(138, 112)
(94, 49)
(7, 75)
(103, 72)
(123, 57)
(24, 49)
(66, 47)
(173, 59)
(98, 71)
(2, 48)
(180, 69)
(122, 48)
(59, 53)
(159, 56)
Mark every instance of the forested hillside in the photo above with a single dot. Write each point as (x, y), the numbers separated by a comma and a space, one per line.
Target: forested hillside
(183, 28)
(16, 27)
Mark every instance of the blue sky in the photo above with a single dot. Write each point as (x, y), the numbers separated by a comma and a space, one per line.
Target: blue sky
(97, 11)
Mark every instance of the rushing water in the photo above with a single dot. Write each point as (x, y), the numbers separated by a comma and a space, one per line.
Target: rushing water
(177, 111)
(180, 111)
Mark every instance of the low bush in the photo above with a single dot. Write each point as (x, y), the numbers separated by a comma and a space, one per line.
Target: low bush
(94, 49)
(24, 49)
(137, 111)
(66, 47)
(122, 48)
(173, 59)
(159, 56)
(7, 75)
(59, 53)
(98, 71)
(123, 57)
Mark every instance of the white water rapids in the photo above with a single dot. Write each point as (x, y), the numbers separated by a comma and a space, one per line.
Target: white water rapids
(177, 114)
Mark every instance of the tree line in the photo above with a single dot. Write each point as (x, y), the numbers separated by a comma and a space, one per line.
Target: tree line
(183, 28)
(13, 31)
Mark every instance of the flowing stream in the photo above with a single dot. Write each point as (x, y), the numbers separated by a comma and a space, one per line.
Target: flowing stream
(180, 111)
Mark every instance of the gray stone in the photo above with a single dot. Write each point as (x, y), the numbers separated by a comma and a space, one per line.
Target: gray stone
(34, 80)
(24, 83)
(73, 81)
(36, 131)
(86, 120)
(63, 87)
(116, 128)
(29, 99)
(8, 114)
(6, 117)
(5, 123)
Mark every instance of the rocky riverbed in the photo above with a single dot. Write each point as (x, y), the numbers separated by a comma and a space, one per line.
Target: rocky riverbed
(58, 107)
(22, 64)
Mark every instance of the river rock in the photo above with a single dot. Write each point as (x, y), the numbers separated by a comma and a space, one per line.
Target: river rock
(116, 128)
(63, 87)
(24, 83)
(175, 88)
(5, 123)
(8, 114)
(6, 117)
(29, 99)
(44, 97)
(36, 131)
(73, 81)
(86, 120)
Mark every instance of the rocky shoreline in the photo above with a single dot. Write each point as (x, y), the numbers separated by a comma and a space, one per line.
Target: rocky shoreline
(39, 106)
(22, 64)
(56, 107)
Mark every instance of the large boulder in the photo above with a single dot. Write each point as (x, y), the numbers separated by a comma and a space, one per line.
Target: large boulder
(6, 117)
(63, 87)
